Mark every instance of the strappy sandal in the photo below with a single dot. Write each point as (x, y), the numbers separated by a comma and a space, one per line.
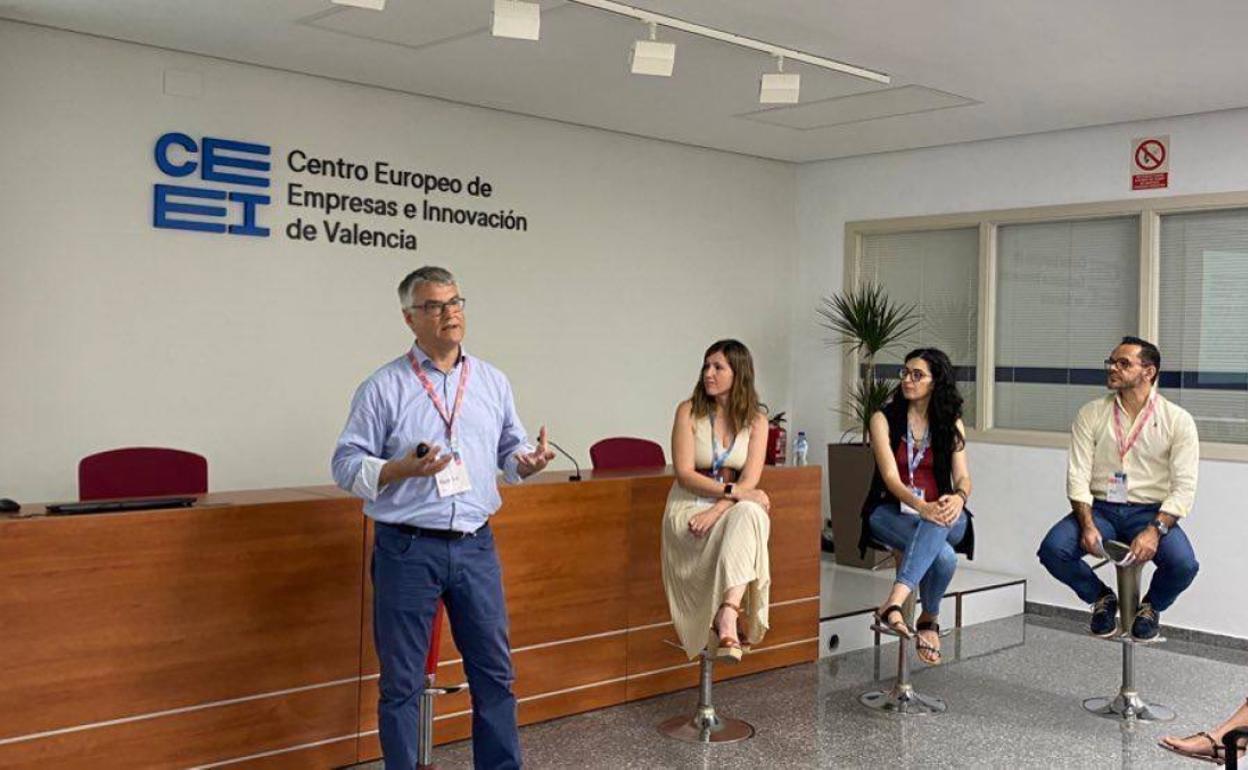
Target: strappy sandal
(1216, 757)
(727, 648)
(924, 647)
(883, 626)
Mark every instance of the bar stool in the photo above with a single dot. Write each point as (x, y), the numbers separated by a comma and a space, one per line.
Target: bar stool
(1127, 704)
(902, 698)
(706, 725)
(424, 731)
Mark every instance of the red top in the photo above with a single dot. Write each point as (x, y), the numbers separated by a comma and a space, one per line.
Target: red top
(924, 475)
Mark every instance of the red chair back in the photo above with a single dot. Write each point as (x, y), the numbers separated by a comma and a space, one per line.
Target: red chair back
(141, 472)
(435, 641)
(623, 452)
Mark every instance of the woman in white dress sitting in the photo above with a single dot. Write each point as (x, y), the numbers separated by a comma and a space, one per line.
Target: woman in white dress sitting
(715, 529)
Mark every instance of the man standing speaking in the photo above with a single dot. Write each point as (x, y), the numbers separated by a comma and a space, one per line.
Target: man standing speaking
(425, 438)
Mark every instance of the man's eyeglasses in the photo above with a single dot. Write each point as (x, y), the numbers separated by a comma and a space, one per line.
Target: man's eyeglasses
(433, 307)
(914, 375)
(1119, 363)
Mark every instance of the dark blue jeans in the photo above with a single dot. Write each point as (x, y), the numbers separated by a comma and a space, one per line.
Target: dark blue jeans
(1062, 555)
(929, 560)
(409, 574)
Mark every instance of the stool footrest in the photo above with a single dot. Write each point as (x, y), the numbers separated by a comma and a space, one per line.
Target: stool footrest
(450, 690)
(1123, 637)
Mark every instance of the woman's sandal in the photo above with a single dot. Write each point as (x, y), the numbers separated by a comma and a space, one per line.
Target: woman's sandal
(1217, 748)
(924, 647)
(883, 626)
(727, 648)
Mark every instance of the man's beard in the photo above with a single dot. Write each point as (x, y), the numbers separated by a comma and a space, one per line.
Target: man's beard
(1124, 384)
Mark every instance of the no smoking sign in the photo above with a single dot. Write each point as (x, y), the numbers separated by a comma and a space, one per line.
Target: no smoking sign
(1150, 163)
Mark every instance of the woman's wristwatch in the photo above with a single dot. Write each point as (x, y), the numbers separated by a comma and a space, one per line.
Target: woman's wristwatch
(728, 489)
(962, 494)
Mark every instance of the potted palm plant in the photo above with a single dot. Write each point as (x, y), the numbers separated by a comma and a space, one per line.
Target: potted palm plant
(865, 323)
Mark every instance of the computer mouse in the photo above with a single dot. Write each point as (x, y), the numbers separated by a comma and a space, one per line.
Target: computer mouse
(9, 506)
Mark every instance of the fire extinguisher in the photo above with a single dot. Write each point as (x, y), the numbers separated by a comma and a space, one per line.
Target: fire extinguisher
(777, 440)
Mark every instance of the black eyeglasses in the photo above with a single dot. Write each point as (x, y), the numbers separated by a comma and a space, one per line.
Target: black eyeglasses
(1119, 363)
(914, 375)
(433, 307)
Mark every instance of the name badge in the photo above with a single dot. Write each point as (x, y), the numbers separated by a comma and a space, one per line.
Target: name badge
(917, 492)
(1116, 490)
(453, 479)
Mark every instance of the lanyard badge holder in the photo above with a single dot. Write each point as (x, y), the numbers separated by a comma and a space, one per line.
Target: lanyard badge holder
(718, 458)
(1117, 483)
(453, 479)
(913, 459)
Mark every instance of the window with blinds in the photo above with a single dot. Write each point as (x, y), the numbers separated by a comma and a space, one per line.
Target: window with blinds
(1204, 320)
(938, 271)
(1067, 292)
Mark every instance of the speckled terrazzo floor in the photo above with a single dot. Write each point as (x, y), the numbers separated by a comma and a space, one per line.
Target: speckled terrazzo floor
(1013, 686)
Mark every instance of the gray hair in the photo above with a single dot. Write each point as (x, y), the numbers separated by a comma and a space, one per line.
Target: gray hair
(421, 275)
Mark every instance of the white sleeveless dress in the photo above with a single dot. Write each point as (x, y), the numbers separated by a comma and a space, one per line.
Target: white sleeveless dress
(697, 570)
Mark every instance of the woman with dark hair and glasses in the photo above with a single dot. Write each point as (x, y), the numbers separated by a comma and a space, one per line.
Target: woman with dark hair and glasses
(918, 494)
(715, 529)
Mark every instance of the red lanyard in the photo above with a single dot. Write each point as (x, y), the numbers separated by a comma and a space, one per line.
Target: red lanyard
(448, 418)
(1126, 442)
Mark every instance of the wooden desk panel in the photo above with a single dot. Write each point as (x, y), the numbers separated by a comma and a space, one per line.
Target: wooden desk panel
(125, 615)
(250, 616)
(565, 559)
(207, 735)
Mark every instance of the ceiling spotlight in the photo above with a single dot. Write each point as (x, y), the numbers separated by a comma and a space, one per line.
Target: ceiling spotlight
(368, 5)
(517, 19)
(650, 57)
(779, 87)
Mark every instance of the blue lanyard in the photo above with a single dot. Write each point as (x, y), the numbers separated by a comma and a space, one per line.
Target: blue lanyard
(913, 459)
(718, 458)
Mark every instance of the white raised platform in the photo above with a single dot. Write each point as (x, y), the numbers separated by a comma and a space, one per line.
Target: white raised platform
(849, 594)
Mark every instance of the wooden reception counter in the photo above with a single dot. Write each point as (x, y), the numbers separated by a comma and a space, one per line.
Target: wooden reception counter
(237, 633)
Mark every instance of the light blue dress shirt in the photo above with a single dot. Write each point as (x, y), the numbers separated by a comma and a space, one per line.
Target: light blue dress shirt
(391, 413)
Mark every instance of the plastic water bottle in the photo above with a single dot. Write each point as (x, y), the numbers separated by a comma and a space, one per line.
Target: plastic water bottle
(800, 448)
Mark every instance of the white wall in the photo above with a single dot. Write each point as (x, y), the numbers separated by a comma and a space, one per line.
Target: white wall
(639, 253)
(1020, 491)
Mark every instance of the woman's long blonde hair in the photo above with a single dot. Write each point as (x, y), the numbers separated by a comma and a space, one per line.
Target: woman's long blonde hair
(743, 401)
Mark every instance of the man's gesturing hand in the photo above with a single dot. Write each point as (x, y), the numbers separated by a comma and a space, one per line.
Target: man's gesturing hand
(528, 463)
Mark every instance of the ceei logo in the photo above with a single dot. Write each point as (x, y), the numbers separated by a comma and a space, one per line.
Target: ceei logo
(238, 165)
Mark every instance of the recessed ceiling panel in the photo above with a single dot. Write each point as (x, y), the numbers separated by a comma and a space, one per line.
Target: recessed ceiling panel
(415, 24)
(856, 108)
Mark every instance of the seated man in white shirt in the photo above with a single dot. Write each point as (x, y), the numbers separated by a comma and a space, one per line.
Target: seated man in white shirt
(1131, 478)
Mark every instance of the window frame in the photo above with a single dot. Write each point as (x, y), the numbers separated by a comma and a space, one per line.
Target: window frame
(1146, 211)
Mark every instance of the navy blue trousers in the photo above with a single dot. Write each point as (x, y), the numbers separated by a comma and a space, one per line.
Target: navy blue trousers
(1062, 555)
(410, 573)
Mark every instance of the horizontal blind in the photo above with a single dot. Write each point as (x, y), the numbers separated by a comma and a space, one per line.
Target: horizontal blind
(938, 271)
(1067, 292)
(1204, 320)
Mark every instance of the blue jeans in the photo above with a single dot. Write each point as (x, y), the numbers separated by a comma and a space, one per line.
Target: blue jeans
(409, 574)
(1062, 555)
(929, 560)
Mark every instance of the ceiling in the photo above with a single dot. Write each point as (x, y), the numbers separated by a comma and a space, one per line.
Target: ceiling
(963, 70)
